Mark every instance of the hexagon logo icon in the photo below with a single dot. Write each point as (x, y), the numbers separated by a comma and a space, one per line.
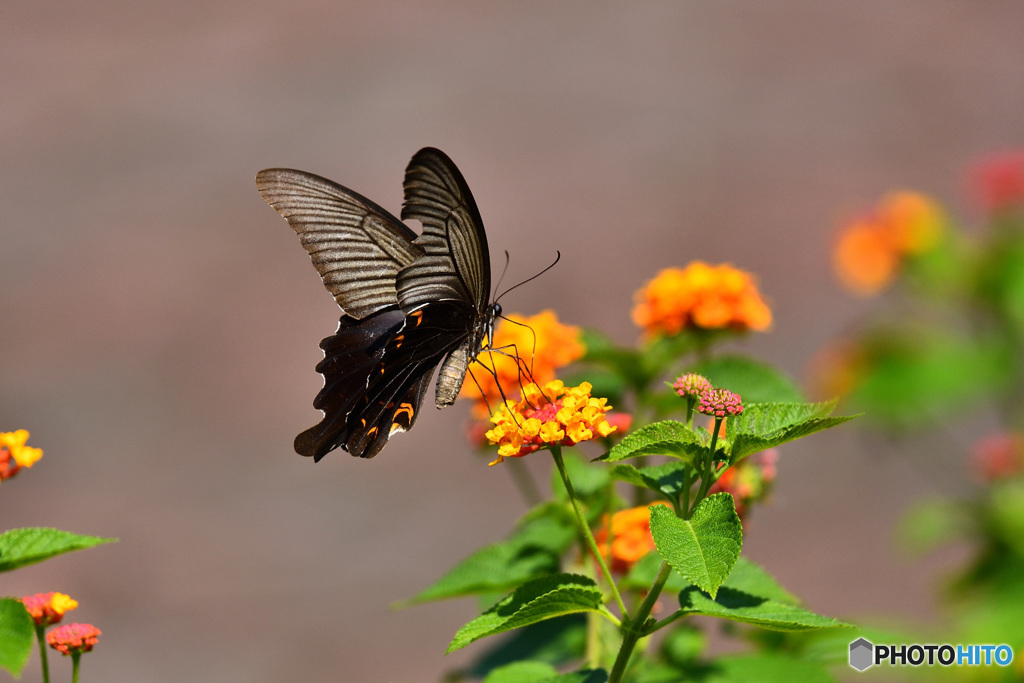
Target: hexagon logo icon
(861, 654)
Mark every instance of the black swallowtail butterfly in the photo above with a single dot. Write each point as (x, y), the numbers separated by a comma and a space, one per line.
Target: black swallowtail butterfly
(410, 302)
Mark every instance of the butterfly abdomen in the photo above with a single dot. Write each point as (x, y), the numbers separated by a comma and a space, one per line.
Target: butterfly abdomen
(451, 376)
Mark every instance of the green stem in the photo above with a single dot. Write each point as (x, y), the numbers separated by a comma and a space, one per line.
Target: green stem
(706, 481)
(634, 628)
(75, 657)
(556, 453)
(41, 638)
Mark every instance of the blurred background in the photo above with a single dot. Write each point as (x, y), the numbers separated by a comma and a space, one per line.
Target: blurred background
(160, 322)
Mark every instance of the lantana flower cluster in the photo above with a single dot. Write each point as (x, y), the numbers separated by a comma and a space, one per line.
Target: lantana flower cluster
(14, 454)
(870, 250)
(554, 415)
(72, 639)
(541, 344)
(701, 296)
(47, 609)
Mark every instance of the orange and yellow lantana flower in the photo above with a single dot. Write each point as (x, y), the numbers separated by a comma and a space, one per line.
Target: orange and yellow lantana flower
(630, 537)
(14, 454)
(701, 296)
(48, 608)
(542, 344)
(556, 415)
(870, 250)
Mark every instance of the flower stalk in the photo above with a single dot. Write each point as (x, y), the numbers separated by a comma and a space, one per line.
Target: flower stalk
(556, 453)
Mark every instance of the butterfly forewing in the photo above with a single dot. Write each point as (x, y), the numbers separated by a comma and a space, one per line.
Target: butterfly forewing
(455, 264)
(356, 246)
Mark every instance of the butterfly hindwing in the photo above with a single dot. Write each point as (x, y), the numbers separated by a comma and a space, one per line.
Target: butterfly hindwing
(356, 246)
(351, 355)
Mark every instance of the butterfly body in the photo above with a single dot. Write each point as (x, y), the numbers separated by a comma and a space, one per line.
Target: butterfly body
(412, 302)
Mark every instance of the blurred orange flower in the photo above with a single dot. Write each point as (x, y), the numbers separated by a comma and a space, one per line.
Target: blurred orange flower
(630, 537)
(870, 250)
(14, 454)
(48, 608)
(560, 415)
(554, 346)
(700, 296)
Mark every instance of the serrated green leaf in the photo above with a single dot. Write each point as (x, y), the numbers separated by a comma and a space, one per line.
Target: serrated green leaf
(704, 548)
(666, 480)
(766, 425)
(16, 634)
(737, 605)
(542, 672)
(555, 641)
(536, 600)
(753, 579)
(756, 382)
(532, 551)
(765, 668)
(661, 438)
(20, 547)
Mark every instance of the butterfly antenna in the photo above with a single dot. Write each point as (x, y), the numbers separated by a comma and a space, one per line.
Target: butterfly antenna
(503, 271)
(558, 257)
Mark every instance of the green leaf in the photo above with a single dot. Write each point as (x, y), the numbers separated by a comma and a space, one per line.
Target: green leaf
(765, 668)
(751, 578)
(533, 550)
(756, 382)
(666, 480)
(16, 635)
(555, 641)
(704, 548)
(522, 672)
(542, 672)
(1006, 513)
(20, 547)
(661, 438)
(766, 425)
(539, 599)
(737, 605)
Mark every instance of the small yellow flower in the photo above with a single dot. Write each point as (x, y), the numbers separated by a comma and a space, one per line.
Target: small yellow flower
(701, 296)
(556, 415)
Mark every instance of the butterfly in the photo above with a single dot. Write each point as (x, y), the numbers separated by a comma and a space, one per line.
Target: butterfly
(411, 302)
